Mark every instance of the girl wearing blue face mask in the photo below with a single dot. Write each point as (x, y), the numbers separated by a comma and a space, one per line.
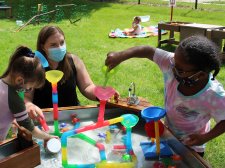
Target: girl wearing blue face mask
(24, 73)
(51, 44)
(192, 94)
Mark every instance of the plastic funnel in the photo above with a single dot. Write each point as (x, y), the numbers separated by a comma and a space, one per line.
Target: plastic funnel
(153, 113)
(129, 120)
(103, 93)
(54, 76)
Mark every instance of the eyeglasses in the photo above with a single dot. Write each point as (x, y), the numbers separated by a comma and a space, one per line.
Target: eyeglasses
(177, 71)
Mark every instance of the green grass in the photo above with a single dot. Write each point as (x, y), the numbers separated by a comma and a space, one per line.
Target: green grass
(88, 38)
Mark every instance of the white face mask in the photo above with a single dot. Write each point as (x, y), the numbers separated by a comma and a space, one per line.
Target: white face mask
(57, 54)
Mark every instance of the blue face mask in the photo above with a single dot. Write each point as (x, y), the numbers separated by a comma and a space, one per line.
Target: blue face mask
(57, 54)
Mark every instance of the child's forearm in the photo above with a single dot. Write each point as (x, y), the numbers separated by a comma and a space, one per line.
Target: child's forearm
(37, 133)
(216, 131)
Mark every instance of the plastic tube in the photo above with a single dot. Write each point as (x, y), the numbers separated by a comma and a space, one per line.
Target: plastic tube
(157, 137)
(101, 111)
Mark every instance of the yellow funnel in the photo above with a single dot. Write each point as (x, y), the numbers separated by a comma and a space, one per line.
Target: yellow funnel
(53, 76)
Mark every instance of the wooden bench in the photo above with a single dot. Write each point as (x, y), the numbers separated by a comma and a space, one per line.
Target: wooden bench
(217, 34)
(8, 11)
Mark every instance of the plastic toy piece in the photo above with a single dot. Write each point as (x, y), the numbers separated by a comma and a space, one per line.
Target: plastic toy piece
(108, 73)
(176, 157)
(103, 94)
(158, 165)
(119, 147)
(128, 120)
(167, 161)
(126, 158)
(102, 135)
(151, 149)
(64, 129)
(62, 125)
(113, 128)
(53, 145)
(108, 137)
(75, 120)
(42, 59)
(43, 123)
(73, 116)
(150, 128)
(54, 76)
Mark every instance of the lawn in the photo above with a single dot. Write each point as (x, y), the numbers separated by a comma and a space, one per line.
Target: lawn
(88, 38)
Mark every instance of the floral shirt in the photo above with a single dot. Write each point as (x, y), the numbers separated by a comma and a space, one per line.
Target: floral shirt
(190, 114)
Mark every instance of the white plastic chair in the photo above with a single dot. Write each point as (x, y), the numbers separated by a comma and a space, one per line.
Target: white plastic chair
(145, 18)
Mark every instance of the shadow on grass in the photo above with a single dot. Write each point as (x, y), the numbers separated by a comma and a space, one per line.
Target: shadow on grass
(24, 10)
(170, 48)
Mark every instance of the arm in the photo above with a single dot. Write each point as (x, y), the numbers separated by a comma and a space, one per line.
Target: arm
(31, 108)
(37, 133)
(115, 58)
(196, 139)
(84, 82)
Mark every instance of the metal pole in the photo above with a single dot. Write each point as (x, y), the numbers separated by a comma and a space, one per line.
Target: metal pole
(171, 14)
(196, 4)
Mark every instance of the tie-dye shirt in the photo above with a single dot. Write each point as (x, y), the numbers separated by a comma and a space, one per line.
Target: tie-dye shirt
(12, 107)
(190, 114)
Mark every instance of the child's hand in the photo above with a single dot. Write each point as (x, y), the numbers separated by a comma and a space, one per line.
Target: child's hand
(34, 111)
(194, 139)
(26, 134)
(113, 59)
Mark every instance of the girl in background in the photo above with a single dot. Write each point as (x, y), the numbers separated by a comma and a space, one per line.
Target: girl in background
(136, 27)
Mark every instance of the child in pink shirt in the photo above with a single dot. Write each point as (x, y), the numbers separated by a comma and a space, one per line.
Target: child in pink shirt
(192, 94)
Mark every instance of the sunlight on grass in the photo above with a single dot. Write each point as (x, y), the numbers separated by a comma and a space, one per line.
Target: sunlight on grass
(89, 39)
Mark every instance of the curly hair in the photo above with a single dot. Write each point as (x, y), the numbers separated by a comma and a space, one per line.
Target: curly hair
(202, 53)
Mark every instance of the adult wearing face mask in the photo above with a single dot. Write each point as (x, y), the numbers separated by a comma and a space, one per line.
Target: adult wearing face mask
(192, 94)
(52, 45)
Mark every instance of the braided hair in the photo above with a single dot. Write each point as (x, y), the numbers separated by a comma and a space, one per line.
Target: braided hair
(202, 53)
